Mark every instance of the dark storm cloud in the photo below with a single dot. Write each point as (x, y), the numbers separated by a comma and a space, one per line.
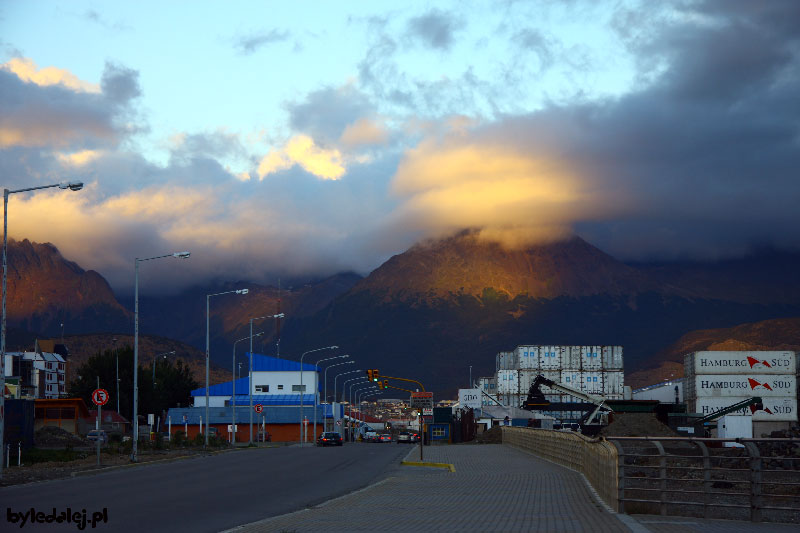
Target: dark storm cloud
(325, 113)
(436, 29)
(248, 45)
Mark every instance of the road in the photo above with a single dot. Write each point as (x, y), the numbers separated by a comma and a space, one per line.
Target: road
(209, 493)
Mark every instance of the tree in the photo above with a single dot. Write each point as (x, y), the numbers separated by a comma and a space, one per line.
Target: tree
(174, 383)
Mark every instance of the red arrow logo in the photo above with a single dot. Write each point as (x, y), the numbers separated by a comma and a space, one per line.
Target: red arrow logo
(754, 384)
(753, 361)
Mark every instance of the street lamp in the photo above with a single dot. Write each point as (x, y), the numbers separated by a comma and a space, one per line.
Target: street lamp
(155, 360)
(316, 389)
(303, 431)
(208, 298)
(326, 386)
(71, 185)
(177, 255)
(250, 375)
(233, 394)
(356, 380)
(334, 385)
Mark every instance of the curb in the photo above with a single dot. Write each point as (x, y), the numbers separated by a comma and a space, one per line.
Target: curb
(129, 465)
(446, 466)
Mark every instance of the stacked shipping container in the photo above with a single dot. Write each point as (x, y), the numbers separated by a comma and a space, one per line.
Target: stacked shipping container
(592, 369)
(715, 380)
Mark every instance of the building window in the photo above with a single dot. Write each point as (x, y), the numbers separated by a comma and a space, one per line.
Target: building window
(438, 432)
(262, 388)
(298, 388)
(280, 387)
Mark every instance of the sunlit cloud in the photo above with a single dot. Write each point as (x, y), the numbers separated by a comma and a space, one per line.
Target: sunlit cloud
(364, 132)
(26, 70)
(300, 150)
(79, 159)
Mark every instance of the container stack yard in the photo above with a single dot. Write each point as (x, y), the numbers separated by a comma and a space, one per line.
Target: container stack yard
(592, 369)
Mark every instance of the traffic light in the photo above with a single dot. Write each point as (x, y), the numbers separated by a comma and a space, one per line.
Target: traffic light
(369, 374)
(380, 384)
(385, 383)
(376, 375)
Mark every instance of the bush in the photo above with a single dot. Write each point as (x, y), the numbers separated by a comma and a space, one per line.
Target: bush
(35, 455)
(179, 439)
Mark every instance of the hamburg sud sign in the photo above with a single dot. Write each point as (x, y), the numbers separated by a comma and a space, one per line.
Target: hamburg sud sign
(720, 379)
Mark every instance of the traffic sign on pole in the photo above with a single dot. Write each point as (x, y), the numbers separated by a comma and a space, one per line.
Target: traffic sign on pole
(258, 408)
(100, 396)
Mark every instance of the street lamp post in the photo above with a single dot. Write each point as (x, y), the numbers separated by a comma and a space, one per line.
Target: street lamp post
(155, 360)
(208, 299)
(178, 255)
(356, 380)
(303, 430)
(316, 389)
(250, 374)
(326, 386)
(71, 185)
(334, 386)
(233, 394)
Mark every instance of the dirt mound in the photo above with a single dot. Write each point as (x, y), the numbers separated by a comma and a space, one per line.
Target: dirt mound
(54, 437)
(492, 436)
(636, 425)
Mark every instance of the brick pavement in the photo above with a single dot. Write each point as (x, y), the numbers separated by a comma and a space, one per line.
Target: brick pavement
(493, 488)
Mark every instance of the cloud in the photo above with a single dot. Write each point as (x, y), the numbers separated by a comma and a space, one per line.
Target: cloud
(78, 159)
(51, 108)
(327, 112)
(436, 29)
(300, 150)
(364, 132)
(248, 45)
(26, 70)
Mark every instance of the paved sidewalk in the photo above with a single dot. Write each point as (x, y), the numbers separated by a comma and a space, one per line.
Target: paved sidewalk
(493, 488)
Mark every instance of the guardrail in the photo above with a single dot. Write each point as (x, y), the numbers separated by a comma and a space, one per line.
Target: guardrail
(594, 458)
(759, 480)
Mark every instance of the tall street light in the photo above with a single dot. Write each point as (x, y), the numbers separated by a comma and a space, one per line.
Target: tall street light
(304, 432)
(356, 380)
(334, 385)
(233, 394)
(250, 375)
(361, 388)
(208, 319)
(155, 360)
(71, 185)
(177, 255)
(326, 386)
(316, 389)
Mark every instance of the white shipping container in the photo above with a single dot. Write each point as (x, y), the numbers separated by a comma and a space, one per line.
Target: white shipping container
(528, 357)
(571, 358)
(592, 382)
(733, 427)
(612, 358)
(775, 409)
(550, 357)
(507, 382)
(591, 358)
(552, 375)
(571, 378)
(731, 385)
(745, 362)
(526, 378)
(613, 385)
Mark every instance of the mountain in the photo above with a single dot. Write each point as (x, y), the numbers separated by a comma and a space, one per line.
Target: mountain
(45, 290)
(776, 334)
(444, 306)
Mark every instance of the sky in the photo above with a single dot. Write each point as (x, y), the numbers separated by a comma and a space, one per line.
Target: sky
(304, 139)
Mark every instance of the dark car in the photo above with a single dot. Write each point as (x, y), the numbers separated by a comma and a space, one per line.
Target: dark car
(329, 438)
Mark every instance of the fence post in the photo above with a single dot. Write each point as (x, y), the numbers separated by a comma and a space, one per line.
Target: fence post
(620, 475)
(706, 476)
(755, 482)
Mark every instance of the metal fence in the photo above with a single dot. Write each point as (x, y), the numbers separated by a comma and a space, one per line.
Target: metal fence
(757, 481)
(697, 477)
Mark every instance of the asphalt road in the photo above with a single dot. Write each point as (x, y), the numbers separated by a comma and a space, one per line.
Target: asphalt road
(209, 493)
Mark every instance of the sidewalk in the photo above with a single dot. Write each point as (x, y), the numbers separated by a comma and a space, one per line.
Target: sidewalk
(493, 488)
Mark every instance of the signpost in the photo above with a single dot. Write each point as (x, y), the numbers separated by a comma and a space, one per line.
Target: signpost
(100, 398)
(258, 408)
(423, 401)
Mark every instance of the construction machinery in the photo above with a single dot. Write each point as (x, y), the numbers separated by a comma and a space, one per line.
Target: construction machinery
(699, 425)
(595, 405)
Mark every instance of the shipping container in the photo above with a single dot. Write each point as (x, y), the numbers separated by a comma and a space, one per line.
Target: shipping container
(612, 358)
(745, 362)
(591, 358)
(571, 358)
(775, 409)
(732, 385)
(506, 361)
(550, 357)
(528, 357)
(507, 382)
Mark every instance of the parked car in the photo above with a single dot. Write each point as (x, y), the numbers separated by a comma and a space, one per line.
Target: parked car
(329, 438)
(98, 434)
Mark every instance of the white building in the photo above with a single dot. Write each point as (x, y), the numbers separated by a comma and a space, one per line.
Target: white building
(41, 374)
